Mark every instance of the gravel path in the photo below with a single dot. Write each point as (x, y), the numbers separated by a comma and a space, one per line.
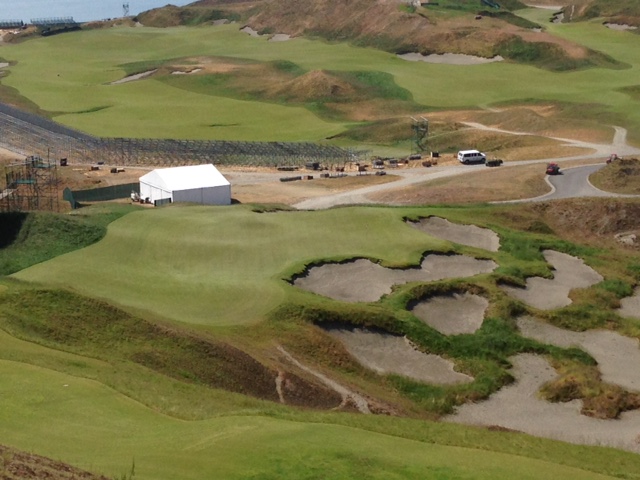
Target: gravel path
(518, 407)
(347, 395)
(569, 273)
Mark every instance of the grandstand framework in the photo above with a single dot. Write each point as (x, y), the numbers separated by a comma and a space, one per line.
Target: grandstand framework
(28, 134)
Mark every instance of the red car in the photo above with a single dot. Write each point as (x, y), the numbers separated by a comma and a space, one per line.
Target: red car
(553, 169)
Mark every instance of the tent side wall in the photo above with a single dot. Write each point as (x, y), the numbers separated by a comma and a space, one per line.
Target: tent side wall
(219, 195)
(153, 192)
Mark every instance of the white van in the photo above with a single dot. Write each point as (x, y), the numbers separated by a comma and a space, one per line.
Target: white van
(471, 156)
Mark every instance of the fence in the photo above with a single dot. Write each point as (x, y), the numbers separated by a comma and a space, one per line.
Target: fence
(113, 192)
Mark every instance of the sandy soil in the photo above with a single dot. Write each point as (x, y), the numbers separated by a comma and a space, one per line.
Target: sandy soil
(618, 26)
(570, 272)
(364, 281)
(453, 315)
(131, 78)
(618, 356)
(518, 407)
(450, 58)
(385, 353)
(630, 306)
(470, 235)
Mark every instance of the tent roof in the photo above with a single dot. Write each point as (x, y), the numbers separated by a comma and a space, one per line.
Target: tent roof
(185, 178)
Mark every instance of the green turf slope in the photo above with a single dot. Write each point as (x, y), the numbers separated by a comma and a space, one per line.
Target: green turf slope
(69, 76)
(91, 426)
(224, 265)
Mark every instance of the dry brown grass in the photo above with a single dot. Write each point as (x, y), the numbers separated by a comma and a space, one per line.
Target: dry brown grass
(620, 176)
(489, 185)
(18, 465)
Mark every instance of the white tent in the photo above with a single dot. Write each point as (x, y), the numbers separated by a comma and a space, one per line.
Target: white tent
(202, 184)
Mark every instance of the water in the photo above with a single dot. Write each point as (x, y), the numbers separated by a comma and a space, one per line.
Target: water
(80, 10)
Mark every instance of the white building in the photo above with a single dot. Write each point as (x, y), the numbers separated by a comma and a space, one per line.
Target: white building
(202, 184)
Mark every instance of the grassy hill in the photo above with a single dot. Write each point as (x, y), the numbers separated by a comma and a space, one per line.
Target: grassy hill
(445, 27)
(137, 353)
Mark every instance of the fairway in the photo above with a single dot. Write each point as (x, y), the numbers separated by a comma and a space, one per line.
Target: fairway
(58, 415)
(70, 74)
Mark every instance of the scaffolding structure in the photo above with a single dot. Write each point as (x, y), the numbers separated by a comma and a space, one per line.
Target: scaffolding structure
(30, 185)
(420, 127)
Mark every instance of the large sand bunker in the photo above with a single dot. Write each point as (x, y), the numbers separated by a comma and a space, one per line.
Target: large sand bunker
(453, 314)
(364, 281)
(470, 235)
(618, 356)
(518, 407)
(570, 272)
(630, 306)
(385, 353)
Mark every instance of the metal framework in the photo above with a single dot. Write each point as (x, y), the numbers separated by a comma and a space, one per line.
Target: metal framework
(420, 127)
(29, 134)
(11, 24)
(30, 185)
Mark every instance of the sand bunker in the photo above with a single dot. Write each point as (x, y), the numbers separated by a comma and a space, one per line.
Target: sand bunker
(385, 353)
(630, 306)
(180, 72)
(619, 26)
(280, 37)
(570, 272)
(618, 356)
(365, 281)
(131, 78)
(518, 407)
(470, 235)
(453, 314)
(450, 58)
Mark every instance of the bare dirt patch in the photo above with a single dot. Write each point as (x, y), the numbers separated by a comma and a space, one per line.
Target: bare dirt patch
(267, 188)
(385, 353)
(630, 306)
(569, 273)
(617, 356)
(518, 407)
(470, 235)
(453, 315)
(364, 281)
(18, 465)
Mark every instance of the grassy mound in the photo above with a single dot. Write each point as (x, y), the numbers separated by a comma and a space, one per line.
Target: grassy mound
(65, 346)
(614, 11)
(620, 176)
(30, 238)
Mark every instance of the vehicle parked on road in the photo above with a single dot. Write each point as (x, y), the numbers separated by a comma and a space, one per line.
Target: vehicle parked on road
(471, 156)
(553, 169)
